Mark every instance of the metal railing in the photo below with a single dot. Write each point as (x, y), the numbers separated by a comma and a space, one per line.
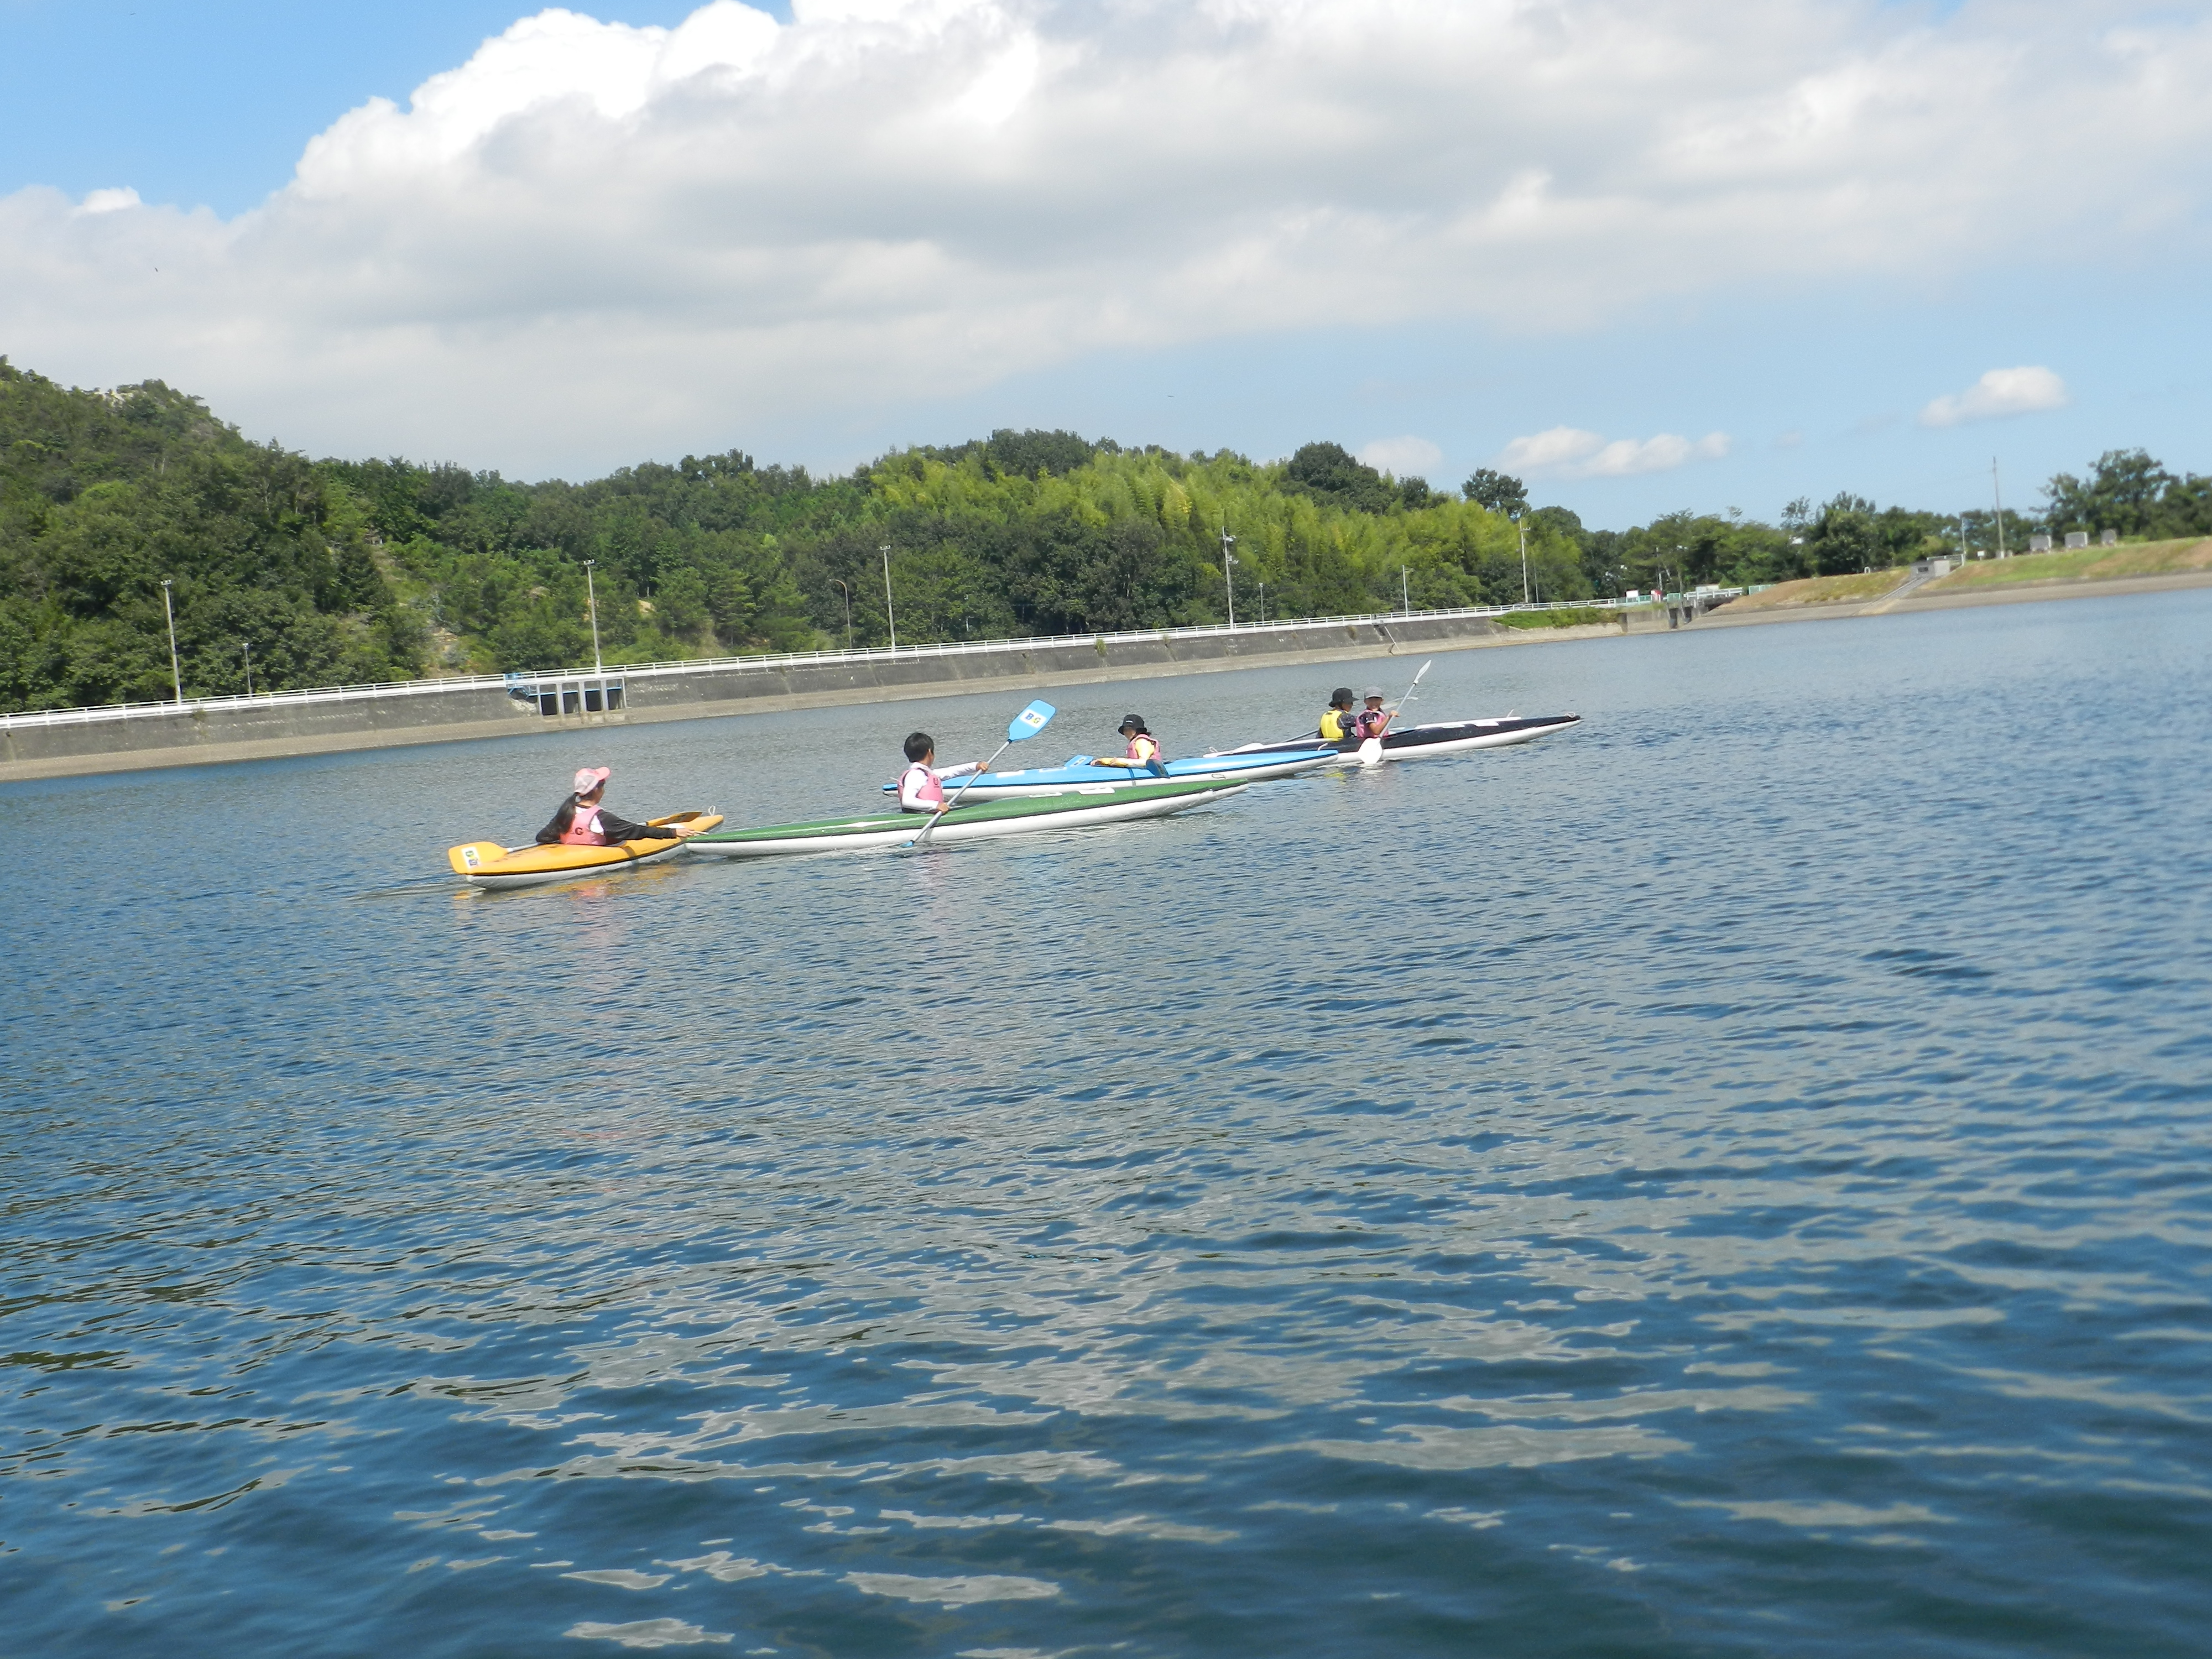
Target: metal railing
(866, 655)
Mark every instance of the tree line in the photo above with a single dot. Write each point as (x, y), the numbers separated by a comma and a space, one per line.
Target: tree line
(311, 573)
(2126, 491)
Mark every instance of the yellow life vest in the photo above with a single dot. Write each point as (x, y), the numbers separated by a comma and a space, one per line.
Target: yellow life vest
(1332, 726)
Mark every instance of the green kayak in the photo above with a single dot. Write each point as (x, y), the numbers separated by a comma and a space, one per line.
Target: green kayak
(1079, 807)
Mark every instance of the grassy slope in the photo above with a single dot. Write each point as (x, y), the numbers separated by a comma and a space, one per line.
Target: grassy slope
(1821, 590)
(2081, 564)
(1558, 616)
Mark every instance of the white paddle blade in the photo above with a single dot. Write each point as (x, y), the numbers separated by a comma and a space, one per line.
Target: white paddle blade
(1031, 722)
(1416, 685)
(1370, 752)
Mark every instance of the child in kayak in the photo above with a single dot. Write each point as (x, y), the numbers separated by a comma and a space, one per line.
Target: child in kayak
(1336, 719)
(582, 822)
(1373, 720)
(1144, 752)
(921, 785)
(1144, 747)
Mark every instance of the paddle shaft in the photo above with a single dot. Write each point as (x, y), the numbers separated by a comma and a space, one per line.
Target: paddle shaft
(1408, 697)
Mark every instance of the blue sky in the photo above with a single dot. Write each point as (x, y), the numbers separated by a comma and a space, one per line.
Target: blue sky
(209, 103)
(1749, 277)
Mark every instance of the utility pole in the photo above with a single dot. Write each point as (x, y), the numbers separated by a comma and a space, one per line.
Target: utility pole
(1996, 490)
(1962, 538)
(248, 644)
(1524, 560)
(1405, 593)
(833, 582)
(591, 599)
(1263, 601)
(1228, 566)
(890, 620)
(176, 674)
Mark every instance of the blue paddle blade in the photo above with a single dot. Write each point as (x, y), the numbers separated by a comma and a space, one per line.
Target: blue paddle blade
(1031, 722)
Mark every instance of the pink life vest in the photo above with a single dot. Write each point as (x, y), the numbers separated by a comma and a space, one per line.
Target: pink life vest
(583, 828)
(1144, 748)
(925, 792)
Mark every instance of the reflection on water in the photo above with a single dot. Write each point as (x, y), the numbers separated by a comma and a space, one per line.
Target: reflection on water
(1730, 1180)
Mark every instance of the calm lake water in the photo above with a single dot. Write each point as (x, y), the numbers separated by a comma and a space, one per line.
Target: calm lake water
(1732, 1179)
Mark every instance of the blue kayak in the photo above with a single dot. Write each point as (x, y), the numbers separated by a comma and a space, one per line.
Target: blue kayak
(1082, 771)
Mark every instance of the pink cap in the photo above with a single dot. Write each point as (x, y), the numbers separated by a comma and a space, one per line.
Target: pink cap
(590, 778)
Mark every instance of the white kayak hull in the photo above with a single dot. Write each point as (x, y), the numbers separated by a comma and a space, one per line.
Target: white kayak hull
(1114, 805)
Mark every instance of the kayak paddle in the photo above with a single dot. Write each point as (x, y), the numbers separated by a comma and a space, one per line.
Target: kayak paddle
(1370, 752)
(1024, 726)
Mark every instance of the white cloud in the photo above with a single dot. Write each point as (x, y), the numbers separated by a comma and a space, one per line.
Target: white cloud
(1407, 457)
(1549, 451)
(1574, 453)
(110, 201)
(1626, 456)
(2000, 392)
(594, 241)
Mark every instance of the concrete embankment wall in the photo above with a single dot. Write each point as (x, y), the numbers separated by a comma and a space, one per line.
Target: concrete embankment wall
(197, 735)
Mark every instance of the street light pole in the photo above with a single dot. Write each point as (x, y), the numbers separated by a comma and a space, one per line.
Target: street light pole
(592, 597)
(248, 644)
(1523, 529)
(1263, 601)
(176, 674)
(1996, 490)
(889, 619)
(1404, 593)
(1228, 567)
(833, 582)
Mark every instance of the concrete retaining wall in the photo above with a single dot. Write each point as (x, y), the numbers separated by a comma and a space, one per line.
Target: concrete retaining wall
(197, 735)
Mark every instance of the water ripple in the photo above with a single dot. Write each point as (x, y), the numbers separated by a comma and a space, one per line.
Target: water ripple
(1727, 1181)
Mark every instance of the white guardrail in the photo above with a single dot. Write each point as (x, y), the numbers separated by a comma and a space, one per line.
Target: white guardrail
(621, 671)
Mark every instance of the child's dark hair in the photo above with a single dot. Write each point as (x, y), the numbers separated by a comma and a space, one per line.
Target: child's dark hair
(918, 745)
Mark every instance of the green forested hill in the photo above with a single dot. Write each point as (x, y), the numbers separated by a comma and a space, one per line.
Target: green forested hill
(348, 571)
(360, 570)
(103, 494)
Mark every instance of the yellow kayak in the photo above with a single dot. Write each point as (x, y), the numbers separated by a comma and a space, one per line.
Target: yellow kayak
(487, 863)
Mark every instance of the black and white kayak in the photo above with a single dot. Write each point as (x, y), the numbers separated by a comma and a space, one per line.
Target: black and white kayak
(1077, 808)
(1439, 738)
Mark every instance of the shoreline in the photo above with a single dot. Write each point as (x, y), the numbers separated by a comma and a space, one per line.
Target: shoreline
(194, 736)
(186, 738)
(1964, 598)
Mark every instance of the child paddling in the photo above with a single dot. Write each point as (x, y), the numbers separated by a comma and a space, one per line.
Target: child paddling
(582, 822)
(1373, 720)
(921, 786)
